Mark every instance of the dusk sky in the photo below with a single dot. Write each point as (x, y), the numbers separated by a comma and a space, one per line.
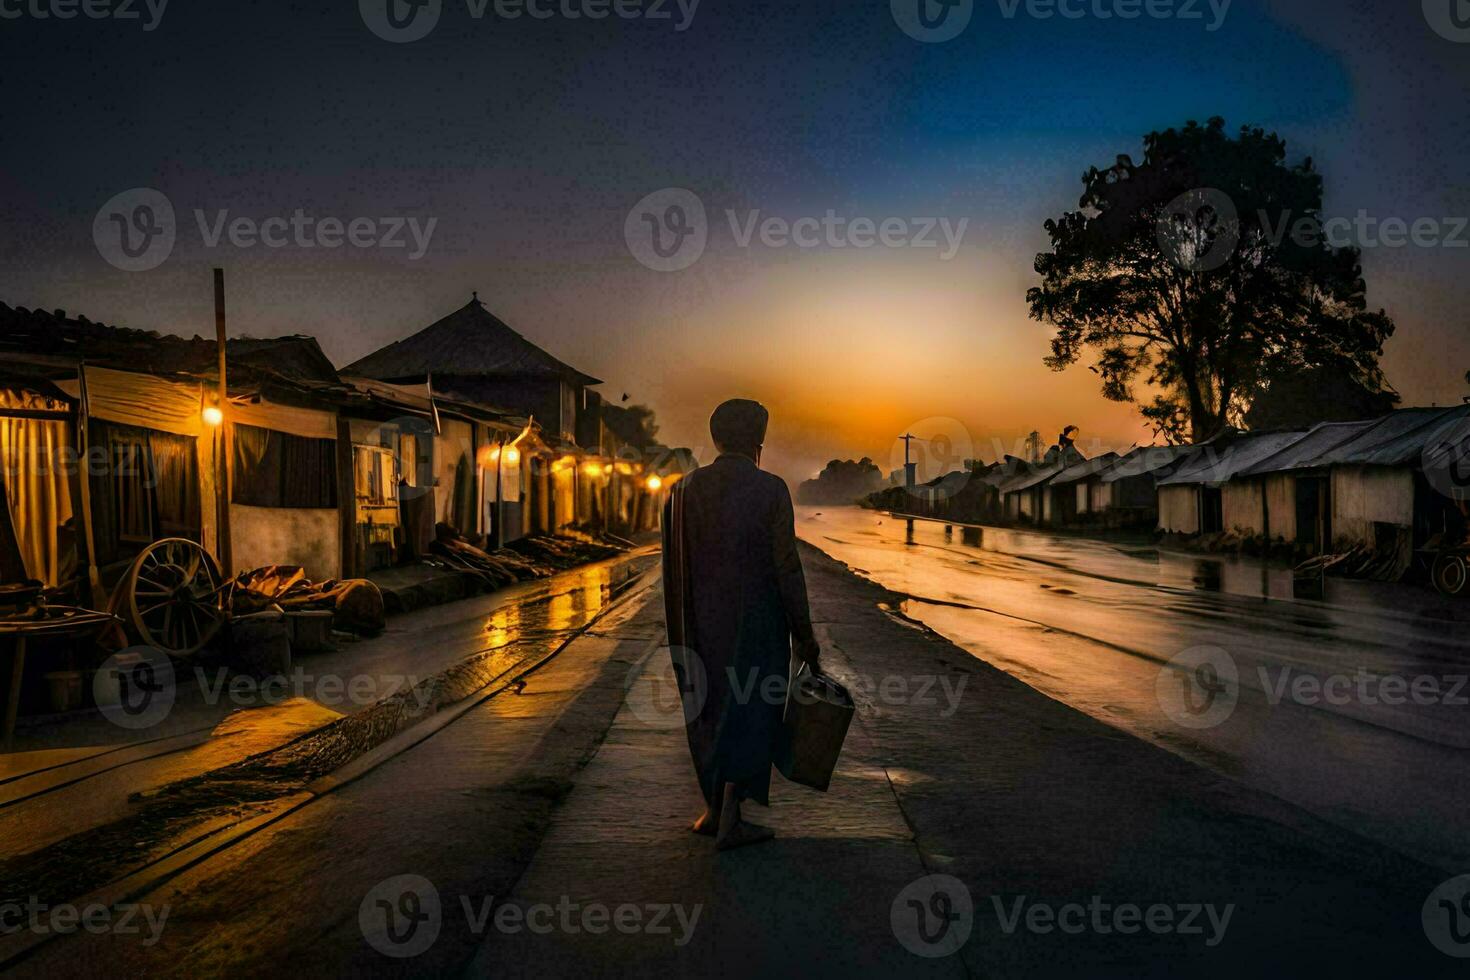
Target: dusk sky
(528, 142)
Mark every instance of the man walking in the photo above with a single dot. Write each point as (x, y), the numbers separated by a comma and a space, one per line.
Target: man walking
(736, 607)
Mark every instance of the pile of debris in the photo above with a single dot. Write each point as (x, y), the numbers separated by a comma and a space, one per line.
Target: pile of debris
(1387, 563)
(526, 558)
(356, 604)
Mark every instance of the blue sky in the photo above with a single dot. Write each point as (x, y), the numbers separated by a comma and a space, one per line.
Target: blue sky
(529, 141)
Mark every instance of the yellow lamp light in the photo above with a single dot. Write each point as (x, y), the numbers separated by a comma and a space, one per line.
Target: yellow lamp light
(654, 483)
(592, 469)
(212, 415)
(512, 455)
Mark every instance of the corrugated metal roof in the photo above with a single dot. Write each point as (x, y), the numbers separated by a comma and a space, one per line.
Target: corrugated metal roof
(1031, 478)
(1003, 470)
(417, 400)
(1397, 439)
(1145, 460)
(1447, 451)
(1085, 469)
(1216, 463)
(1298, 455)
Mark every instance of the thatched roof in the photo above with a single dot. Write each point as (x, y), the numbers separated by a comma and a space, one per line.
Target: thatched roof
(471, 341)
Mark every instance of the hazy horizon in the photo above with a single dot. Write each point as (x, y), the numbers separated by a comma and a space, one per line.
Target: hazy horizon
(774, 110)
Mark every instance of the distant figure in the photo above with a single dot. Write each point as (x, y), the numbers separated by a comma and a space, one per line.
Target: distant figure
(736, 606)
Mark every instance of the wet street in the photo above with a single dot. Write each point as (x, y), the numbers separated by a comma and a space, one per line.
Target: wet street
(505, 833)
(76, 785)
(1353, 706)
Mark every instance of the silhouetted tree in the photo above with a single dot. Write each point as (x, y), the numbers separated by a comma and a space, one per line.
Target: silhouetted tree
(842, 481)
(634, 424)
(1203, 270)
(1324, 394)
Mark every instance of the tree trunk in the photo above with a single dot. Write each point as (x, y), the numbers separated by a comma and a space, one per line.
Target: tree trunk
(1201, 420)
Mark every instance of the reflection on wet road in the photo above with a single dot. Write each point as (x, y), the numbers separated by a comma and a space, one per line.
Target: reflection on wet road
(95, 772)
(1353, 704)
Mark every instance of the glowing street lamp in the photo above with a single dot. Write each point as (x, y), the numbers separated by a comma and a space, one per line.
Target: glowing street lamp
(654, 483)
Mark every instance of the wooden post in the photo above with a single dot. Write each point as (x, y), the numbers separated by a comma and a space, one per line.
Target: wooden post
(499, 540)
(84, 488)
(224, 462)
(352, 567)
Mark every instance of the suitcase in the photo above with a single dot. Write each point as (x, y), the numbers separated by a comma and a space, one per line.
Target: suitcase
(818, 712)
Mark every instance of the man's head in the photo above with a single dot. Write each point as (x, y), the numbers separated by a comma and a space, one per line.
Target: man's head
(739, 426)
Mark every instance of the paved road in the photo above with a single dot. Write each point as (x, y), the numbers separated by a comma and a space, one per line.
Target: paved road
(971, 817)
(1313, 715)
(997, 809)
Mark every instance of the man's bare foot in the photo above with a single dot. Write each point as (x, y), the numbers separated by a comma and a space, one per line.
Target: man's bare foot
(708, 824)
(741, 834)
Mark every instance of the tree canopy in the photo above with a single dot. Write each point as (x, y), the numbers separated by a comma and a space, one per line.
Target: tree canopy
(1204, 272)
(634, 424)
(1317, 395)
(842, 481)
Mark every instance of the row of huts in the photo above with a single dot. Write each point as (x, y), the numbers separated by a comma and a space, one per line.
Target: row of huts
(1388, 485)
(114, 438)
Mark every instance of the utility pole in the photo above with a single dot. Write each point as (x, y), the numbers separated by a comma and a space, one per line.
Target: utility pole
(223, 448)
(908, 467)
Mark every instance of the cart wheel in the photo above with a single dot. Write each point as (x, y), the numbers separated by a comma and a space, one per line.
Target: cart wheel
(171, 596)
(1450, 574)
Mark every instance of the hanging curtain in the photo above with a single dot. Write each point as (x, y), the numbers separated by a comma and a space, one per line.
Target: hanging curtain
(309, 472)
(35, 455)
(257, 477)
(462, 507)
(145, 486)
(277, 469)
(176, 484)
